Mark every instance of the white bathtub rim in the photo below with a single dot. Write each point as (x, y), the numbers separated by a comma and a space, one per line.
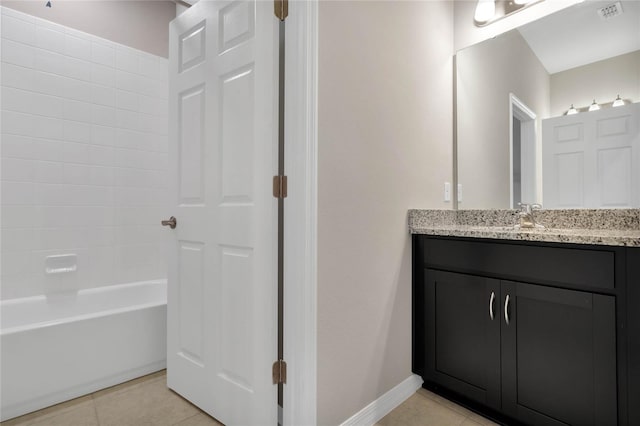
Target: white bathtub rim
(73, 318)
(84, 317)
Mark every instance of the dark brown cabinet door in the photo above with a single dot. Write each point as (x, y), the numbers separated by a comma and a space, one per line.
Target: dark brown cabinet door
(558, 356)
(463, 334)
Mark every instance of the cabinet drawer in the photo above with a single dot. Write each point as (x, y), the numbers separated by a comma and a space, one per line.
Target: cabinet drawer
(543, 264)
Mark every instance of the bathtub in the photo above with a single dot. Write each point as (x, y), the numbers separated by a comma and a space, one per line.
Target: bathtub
(58, 347)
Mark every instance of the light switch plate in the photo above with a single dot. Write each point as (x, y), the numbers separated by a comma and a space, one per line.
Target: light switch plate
(447, 191)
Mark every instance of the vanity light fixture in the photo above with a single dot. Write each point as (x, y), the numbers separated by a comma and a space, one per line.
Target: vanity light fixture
(485, 10)
(594, 106)
(490, 11)
(618, 102)
(572, 110)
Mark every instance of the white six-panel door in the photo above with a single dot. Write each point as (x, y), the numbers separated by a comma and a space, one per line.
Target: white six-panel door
(592, 159)
(222, 297)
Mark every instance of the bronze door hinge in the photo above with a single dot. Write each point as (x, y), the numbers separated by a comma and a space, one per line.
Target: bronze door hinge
(281, 8)
(279, 372)
(280, 186)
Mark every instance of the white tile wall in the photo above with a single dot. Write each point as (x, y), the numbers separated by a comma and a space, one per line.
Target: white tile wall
(84, 158)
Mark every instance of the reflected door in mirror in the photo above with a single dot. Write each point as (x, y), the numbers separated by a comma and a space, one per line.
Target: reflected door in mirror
(592, 159)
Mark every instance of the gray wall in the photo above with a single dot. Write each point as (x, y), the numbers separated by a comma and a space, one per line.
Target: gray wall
(602, 81)
(142, 25)
(487, 73)
(385, 145)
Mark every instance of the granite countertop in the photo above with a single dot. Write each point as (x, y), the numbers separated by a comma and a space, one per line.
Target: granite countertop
(596, 227)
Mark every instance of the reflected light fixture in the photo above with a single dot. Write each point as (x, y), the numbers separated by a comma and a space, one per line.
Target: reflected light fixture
(490, 11)
(618, 102)
(485, 10)
(572, 110)
(594, 106)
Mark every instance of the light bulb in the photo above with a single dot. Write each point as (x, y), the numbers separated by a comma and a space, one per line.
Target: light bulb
(572, 110)
(594, 106)
(485, 10)
(618, 102)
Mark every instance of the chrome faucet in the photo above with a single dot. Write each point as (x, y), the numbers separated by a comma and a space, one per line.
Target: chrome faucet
(527, 219)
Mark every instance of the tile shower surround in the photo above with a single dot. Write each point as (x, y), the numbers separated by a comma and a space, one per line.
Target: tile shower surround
(84, 157)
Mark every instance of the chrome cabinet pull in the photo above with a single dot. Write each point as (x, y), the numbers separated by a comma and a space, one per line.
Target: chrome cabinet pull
(493, 297)
(171, 223)
(506, 309)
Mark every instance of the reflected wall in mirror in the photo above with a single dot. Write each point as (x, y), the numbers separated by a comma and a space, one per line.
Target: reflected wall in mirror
(513, 92)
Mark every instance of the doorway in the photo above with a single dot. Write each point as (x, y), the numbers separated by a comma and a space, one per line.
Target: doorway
(522, 153)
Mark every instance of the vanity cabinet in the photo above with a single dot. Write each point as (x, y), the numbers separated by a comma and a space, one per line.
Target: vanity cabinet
(526, 332)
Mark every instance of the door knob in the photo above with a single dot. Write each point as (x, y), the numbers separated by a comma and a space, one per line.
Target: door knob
(171, 223)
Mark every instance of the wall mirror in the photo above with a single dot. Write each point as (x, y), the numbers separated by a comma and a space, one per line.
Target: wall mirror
(515, 141)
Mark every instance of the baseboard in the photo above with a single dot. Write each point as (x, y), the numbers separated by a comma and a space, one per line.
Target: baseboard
(386, 403)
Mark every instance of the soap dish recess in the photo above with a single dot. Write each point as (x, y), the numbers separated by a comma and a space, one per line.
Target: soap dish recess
(61, 263)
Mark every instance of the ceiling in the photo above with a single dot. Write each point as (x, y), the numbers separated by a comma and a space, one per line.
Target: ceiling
(578, 35)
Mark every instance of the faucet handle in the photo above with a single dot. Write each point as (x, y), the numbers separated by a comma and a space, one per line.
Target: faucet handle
(525, 208)
(528, 208)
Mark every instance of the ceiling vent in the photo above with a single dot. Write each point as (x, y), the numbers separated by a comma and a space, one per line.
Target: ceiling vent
(610, 11)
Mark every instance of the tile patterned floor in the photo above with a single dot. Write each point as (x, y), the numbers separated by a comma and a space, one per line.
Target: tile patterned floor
(148, 402)
(425, 408)
(141, 402)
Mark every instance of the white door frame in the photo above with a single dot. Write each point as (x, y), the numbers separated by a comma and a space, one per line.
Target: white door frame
(300, 229)
(527, 117)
